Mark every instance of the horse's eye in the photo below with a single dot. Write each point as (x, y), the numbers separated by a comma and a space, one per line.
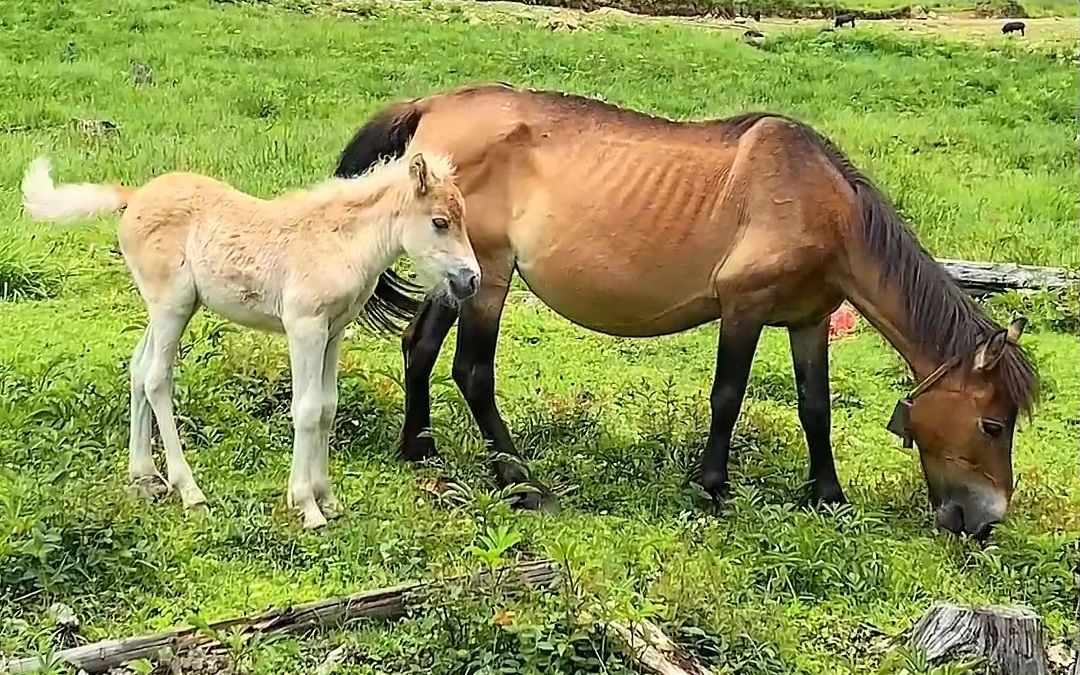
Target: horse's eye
(991, 428)
(440, 223)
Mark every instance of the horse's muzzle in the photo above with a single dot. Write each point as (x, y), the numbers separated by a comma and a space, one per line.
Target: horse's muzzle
(966, 519)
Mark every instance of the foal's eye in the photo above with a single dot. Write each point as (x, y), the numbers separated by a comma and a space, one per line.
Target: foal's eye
(991, 428)
(440, 223)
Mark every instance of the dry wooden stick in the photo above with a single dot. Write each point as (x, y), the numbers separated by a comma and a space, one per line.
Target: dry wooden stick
(380, 603)
(649, 646)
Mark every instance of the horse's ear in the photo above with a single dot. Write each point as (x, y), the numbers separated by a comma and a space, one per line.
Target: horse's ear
(419, 171)
(991, 351)
(1016, 328)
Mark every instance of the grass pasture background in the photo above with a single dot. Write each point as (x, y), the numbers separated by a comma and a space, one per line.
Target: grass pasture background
(974, 142)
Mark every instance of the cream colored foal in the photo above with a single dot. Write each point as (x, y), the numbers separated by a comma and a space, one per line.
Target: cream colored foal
(304, 264)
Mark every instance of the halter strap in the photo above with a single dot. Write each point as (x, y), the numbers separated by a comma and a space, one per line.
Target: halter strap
(900, 421)
(932, 378)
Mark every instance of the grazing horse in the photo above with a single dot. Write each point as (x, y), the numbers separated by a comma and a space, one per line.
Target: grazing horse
(634, 225)
(304, 264)
(842, 19)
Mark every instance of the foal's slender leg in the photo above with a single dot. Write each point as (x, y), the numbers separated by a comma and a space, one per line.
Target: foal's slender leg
(810, 356)
(420, 347)
(140, 459)
(474, 372)
(734, 357)
(167, 324)
(320, 468)
(308, 338)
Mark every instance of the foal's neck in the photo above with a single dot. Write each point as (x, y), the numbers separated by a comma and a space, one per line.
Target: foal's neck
(367, 213)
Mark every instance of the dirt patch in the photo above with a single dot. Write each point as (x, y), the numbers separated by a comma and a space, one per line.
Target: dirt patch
(727, 9)
(1041, 32)
(1000, 9)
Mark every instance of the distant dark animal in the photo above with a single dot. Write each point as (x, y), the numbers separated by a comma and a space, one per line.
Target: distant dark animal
(1012, 27)
(841, 19)
(757, 15)
(753, 37)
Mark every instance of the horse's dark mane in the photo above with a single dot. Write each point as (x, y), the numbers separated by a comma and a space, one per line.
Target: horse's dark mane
(944, 319)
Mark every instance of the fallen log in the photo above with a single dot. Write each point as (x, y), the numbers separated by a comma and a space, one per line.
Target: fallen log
(980, 278)
(644, 642)
(383, 603)
(1010, 639)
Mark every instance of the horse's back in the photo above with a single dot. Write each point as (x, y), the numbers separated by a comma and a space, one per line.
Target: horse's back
(632, 224)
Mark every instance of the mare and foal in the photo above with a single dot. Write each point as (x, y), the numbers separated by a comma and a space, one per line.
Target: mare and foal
(623, 223)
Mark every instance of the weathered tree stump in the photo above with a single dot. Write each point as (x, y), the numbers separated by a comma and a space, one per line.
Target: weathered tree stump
(1009, 638)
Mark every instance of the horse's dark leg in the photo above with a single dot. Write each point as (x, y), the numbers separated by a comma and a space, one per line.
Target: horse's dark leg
(474, 372)
(810, 356)
(420, 346)
(734, 356)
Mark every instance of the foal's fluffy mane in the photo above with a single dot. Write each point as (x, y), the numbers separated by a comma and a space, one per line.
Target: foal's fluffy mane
(384, 176)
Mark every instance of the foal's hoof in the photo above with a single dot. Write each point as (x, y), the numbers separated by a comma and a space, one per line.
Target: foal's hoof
(417, 448)
(314, 520)
(151, 488)
(330, 507)
(199, 511)
(192, 497)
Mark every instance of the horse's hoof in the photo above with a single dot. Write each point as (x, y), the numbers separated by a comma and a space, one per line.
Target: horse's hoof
(542, 500)
(827, 495)
(714, 487)
(417, 448)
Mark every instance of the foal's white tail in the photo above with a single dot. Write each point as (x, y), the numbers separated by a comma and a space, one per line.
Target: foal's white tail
(44, 200)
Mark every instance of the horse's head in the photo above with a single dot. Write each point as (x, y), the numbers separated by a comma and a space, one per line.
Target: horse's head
(434, 235)
(962, 418)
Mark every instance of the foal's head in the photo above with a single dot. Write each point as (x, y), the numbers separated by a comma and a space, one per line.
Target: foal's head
(434, 233)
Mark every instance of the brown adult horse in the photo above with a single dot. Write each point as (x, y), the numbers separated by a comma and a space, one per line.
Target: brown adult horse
(638, 226)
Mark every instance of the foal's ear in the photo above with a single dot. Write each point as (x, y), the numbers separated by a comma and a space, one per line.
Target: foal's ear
(419, 171)
(991, 351)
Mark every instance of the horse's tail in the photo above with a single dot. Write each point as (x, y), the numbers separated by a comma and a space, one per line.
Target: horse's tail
(385, 136)
(45, 200)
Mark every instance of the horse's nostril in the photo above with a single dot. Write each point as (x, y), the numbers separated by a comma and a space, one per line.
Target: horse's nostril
(950, 517)
(473, 283)
(983, 533)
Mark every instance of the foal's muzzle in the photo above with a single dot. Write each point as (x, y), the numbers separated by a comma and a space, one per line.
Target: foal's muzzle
(464, 283)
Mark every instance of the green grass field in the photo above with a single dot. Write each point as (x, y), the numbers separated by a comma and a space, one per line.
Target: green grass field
(974, 143)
